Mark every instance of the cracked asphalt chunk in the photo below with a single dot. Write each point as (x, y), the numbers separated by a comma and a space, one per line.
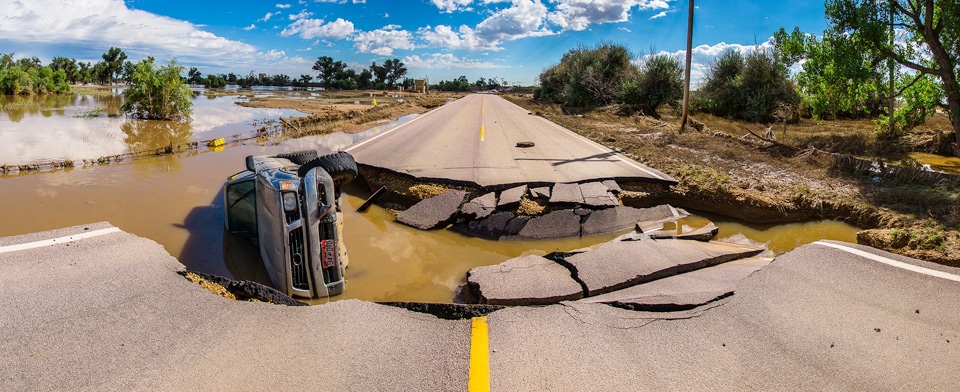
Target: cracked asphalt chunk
(527, 280)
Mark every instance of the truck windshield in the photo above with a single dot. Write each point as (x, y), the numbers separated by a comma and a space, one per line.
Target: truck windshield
(241, 207)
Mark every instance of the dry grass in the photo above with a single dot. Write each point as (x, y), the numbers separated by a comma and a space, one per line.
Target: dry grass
(426, 191)
(210, 286)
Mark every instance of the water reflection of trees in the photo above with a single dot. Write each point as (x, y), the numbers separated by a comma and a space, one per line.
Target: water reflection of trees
(16, 107)
(146, 135)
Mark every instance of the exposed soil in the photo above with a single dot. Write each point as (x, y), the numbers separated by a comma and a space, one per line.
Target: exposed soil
(725, 169)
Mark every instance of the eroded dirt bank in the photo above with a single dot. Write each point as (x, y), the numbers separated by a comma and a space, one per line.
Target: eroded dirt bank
(724, 169)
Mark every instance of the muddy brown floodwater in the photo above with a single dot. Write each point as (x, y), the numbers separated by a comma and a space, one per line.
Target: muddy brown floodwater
(175, 200)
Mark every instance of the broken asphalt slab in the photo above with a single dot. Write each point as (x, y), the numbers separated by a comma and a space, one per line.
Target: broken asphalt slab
(620, 264)
(527, 280)
(621, 218)
(434, 212)
(480, 207)
(555, 224)
(566, 194)
(684, 291)
(510, 198)
(704, 233)
(596, 194)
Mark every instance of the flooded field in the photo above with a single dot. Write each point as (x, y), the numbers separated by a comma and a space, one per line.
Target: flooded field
(77, 127)
(175, 200)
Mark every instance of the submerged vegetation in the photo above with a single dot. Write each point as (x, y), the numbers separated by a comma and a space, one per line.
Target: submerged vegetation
(158, 93)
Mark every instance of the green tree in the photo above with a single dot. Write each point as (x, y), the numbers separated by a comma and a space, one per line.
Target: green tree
(749, 88)
(587, 77)
(379, 73)
(69, 67)
(659, 81)
(100, 73)
(928, 38)
(364, 79)
(158, 93)
(305, 79)
(113, 59)
(395, 71)
(194, 76)
(328, 69)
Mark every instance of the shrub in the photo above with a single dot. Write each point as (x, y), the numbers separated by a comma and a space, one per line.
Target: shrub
(158, 93)
(658, 82)
(748, 88)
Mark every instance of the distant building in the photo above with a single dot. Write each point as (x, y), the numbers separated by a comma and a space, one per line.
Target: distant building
(420, 86)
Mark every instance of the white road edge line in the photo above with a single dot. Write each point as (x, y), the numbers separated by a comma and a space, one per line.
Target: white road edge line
(893, 263)
(592, 143)
(600, 147)
(59, 240)
(392, 130)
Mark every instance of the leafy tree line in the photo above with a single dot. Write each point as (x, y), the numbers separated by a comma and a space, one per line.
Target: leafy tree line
(462, 84)
(336, 74)
(29, 76)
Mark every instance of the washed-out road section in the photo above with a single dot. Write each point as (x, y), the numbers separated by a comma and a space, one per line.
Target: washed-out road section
(93, 307)
(473, 140)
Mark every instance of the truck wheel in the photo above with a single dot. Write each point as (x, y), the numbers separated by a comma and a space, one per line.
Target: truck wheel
(299, 157)
(340, 165)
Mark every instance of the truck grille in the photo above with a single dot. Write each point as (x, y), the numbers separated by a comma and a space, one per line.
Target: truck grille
(298, 260)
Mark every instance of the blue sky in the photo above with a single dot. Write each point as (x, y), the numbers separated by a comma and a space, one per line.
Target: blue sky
(512, 40)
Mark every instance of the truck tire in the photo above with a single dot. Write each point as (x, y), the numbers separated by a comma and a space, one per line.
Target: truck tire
(340, 165)
(299, 157)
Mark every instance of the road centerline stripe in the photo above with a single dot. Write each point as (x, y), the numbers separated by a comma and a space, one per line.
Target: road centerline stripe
(892, 263)
(479, 356)
(59, 240)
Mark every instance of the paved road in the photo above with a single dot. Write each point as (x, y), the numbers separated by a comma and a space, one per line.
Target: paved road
(474, 140)
(109, 312)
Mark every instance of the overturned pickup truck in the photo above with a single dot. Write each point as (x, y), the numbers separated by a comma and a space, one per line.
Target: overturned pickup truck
(289, 206)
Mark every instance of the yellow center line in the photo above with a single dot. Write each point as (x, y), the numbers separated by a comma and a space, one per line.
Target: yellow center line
(479, 357)
(482, 133)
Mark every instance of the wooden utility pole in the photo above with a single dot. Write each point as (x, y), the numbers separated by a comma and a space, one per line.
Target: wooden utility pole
(686, 70)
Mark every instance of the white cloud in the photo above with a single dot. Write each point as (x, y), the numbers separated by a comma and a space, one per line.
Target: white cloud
(524, 18)
(660, 15)
(443, 36)
(105, 23)
(250, 27)
(272, 54)
(449, 6)
(621, 28)
(383, 41)
(445, 61)
(577, 15)
(268, 16)
(309, 28)
(302, 15)
(703, 57)
(283, 6)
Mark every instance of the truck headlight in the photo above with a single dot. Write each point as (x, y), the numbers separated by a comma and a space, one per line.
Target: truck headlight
(289, 201)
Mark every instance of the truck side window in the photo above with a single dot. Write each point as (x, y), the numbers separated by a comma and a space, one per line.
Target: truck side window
(242, 207)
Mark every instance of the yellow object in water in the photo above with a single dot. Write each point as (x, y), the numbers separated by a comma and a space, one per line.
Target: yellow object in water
(216, 142)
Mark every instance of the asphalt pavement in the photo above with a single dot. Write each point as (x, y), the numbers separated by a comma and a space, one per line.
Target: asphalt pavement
(474, 140)
(95, 308)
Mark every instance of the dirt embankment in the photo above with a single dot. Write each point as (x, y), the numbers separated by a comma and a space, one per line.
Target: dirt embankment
(725, 169)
